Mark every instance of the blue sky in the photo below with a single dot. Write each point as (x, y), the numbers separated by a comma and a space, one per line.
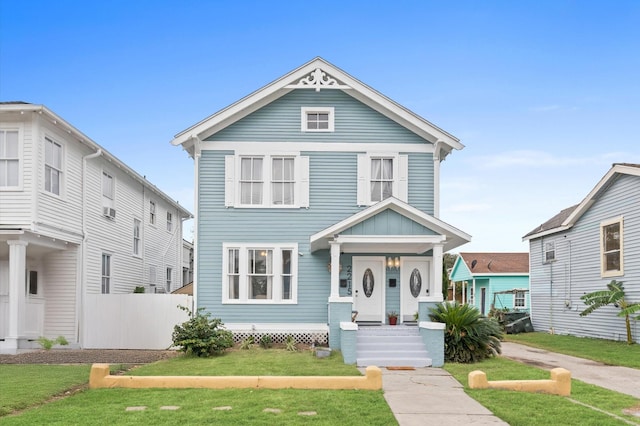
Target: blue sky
(545, 95)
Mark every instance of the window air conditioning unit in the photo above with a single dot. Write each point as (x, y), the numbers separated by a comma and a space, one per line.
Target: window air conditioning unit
(109, 212)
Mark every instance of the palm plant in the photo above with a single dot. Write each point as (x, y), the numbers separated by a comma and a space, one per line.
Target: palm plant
(469, 336)
(614, 295)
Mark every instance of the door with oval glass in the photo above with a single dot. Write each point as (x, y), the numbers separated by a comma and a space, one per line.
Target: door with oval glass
(415, 283)
(369, 284)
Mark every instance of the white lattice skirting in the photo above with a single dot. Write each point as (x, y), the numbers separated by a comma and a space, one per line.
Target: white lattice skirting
(302, 333)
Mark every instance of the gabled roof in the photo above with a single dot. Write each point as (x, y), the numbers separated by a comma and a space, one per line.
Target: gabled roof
(496, 263)
(317, 74)
(22, 107)
(447, 234)
(569, 216)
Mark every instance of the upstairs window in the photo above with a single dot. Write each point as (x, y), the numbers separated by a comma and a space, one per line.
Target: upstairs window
(381, 176)
(549, 251)
(169, 221)
(317, 119)
(9, 159)
(611, 248)
(108, 190)
(267, 181)
(52, 166)
(152, 212)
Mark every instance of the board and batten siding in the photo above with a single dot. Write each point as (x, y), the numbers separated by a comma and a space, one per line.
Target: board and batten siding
(556, 287)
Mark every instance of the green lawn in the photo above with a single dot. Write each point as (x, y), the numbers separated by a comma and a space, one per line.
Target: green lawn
(605, 351)
(521, 408)
(22, 386)
(197, 406)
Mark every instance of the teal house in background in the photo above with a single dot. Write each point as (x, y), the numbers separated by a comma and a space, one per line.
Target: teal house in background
(499, 280)
(317, 215)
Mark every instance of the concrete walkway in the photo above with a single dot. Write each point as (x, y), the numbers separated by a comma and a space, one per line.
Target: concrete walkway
(432, 396)
(619, 379)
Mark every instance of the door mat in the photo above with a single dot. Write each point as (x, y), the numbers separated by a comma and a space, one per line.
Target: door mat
(400, 368)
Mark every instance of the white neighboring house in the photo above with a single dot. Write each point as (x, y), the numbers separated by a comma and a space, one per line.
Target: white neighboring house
(74, 220)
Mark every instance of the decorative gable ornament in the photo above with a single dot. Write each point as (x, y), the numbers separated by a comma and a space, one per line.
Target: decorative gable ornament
(318, 79)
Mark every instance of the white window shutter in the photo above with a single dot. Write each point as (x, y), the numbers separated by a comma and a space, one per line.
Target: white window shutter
(229, 183)
(303, 182)
(363, 180)
(403, 180)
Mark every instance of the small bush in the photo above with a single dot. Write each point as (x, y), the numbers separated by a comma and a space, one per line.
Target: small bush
(266, 341)
(469, 336)
(290, 344)
(247, 343)
(201, 335)
(139, 289)
(47, 344)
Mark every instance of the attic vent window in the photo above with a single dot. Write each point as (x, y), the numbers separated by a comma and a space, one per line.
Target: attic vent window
(317, 119)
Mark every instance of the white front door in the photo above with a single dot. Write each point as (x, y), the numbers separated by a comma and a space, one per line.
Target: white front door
(415, 283)
(368, 287)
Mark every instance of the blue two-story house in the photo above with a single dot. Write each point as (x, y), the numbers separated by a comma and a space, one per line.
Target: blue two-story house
(317, 210)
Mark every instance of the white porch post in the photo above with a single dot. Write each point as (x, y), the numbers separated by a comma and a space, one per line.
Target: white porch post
(437, 272)
(335, 269)
(17, 280)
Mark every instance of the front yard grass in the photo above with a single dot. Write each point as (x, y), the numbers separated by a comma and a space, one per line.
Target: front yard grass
(523, 408)
(22, 386)
(606, 351)
(198, 406)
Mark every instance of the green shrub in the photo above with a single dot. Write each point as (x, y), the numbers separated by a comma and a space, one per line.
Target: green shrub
(290, 344)
(201, 335)
(247, 343)
(139, 289)
(469, 336)
(48, 343)
(266, 341)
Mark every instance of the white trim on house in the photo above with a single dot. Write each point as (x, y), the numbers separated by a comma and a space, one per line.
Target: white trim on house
(603, 269)
(372, 148)
(453, 236)
(288, 82)
(6, 128)
(304, 121)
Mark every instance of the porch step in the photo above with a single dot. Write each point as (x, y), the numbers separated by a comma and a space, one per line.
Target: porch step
(391, 346)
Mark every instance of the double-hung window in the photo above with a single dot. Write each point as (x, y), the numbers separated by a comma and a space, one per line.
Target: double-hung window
(9, 159)
(52, 166)
(152, 212)
(549, 251)
(169, 221)
(381, 176)
(519, 299)
(267, 180)
(169, 279)
(106, 273)
(260, 273)
(136, 237)
(611, 247)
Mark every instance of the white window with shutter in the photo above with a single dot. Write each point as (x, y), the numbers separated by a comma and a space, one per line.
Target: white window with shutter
(275, 180)
(381, 176)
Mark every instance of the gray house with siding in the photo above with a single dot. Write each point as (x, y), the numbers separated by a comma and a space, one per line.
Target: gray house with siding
(75, 221)
(583, 248)
(318, 203)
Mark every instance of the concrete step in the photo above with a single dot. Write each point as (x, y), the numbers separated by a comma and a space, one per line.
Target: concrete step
(395, 362)
(391, 346)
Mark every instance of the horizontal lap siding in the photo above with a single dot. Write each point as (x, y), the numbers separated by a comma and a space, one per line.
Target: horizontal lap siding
(421, 182)
(59, 288)
(556, 287)
(332, 197)
(503, 283)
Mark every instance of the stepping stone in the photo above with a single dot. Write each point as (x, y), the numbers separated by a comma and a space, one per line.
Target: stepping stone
(170, 407)
(141, 408)
(272, 410)
(223, 408)
(307, 413)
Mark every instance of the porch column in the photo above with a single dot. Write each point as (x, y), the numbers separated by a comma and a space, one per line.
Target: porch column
(17, 280)
(335, 269)
(437, 273)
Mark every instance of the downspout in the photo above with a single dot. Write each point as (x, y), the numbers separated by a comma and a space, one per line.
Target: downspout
(80, 294)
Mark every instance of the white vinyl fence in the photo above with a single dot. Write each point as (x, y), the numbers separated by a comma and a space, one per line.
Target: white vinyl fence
(132, 321)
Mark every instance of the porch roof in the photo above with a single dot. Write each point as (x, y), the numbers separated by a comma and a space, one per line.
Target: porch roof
(444, 233)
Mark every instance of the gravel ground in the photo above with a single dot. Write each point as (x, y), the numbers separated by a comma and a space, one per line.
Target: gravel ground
(87, 356)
